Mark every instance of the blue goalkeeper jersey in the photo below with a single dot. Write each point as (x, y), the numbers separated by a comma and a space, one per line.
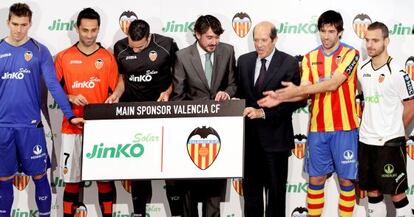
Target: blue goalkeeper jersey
(21, 71)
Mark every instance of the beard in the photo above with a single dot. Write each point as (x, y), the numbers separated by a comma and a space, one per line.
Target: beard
(376, 52)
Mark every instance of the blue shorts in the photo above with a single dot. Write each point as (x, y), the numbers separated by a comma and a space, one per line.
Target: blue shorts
(23, 149)
(328, 152)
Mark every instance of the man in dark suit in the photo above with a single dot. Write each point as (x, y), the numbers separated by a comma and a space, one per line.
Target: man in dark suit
(268, 132)
(203, 71)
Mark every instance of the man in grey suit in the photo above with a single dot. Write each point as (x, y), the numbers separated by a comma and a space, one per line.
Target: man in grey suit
(203, 71)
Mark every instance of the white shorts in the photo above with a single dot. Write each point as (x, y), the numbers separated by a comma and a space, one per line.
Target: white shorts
(70, 158)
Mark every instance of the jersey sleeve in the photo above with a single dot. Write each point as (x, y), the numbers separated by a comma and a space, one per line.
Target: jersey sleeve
(49, 75)
(59, 67)
(306, 71)
(113, 74)
(403, 84)
(349, 63)
(117, 50)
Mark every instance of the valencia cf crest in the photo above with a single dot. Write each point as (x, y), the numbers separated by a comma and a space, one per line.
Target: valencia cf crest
(127, 185)
(338, 60)
(20, 181)
(300, 212)
(238, 186)
(410, 147)
(81, 211)
(203, 146)
(65, 170)
(382, 77)
(360, 24)
(300, 146)
(241, 24)
(409, 66)
(99, 63)
(153, 55)
(28, 55)
(125, 19)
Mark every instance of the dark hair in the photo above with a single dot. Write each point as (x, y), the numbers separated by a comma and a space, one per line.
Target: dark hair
(138, 29)
(204, 23)
(331, 17)
(88, 13)
(20, 10)
(273, 32)
(381, 26)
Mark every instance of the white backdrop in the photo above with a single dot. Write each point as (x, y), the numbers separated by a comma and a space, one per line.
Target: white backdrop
(295, 21)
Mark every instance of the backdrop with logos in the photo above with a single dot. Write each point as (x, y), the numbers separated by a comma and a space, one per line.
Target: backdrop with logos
(53, 25)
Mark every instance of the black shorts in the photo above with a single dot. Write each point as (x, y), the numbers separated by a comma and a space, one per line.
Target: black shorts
(383, 168)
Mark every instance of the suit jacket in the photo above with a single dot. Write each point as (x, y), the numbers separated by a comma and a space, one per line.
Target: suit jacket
(275, 132)
(189, 80)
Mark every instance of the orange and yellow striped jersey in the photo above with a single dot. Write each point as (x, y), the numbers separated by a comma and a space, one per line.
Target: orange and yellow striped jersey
(332, 111)
(93, 76)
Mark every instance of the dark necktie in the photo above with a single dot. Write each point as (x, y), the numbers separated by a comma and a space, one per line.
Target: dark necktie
(260, 80)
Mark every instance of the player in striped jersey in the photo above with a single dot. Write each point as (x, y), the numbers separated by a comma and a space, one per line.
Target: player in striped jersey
(24, 63)
(88, 72)
(329, 79)
(388, 108)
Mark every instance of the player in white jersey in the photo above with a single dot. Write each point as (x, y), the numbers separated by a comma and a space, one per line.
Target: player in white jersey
(388, 108)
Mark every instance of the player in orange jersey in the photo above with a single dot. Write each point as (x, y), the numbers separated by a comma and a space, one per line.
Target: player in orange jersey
(329, 79)
(88, 73)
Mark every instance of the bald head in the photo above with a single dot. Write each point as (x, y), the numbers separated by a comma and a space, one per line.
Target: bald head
(265, 37)
(266, 26)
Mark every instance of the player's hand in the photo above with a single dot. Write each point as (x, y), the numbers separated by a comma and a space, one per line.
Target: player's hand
(79, 100)
(253, 113)
(290, 91)
(222, 96)
(77, 122)
(270, 100)
(164, 97)
(113, 98)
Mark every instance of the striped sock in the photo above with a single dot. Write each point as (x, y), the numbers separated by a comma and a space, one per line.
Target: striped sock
(315, 200)
(105, 195)
(346, 200)
(70, 198)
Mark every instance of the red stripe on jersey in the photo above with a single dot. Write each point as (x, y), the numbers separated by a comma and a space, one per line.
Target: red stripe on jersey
(320, 119)
(335, 98)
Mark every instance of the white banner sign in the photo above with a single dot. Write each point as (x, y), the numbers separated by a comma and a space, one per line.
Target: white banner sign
(163, 140)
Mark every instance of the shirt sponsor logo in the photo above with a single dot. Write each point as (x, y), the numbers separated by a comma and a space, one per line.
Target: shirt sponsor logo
(373, 99)
(86, 84)
(19, 75)
(143, 78)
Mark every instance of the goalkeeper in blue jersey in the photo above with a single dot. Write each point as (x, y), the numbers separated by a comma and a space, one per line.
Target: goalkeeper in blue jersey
(24, 62)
